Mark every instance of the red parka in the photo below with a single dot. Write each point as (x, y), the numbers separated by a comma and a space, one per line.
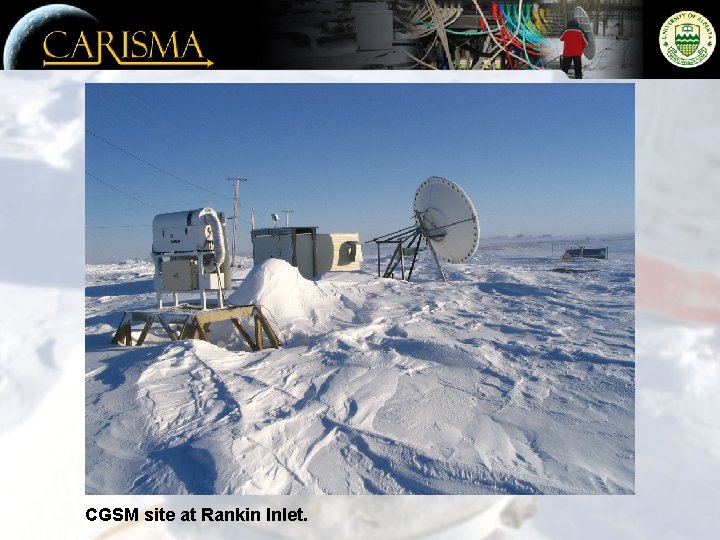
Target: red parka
(574, 42)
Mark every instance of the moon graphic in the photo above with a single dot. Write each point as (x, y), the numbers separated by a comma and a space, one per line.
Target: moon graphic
(23, 48)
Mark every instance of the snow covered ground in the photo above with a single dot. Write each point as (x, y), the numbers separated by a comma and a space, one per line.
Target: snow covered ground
(516, 376)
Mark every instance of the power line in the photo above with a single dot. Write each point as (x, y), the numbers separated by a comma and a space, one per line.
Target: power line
(194, 204)
(128, 226)
(91, 175)
(94, 176)
(146, 162)
(114, 226)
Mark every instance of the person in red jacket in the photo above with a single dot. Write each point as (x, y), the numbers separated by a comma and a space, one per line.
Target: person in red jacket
(574, 44)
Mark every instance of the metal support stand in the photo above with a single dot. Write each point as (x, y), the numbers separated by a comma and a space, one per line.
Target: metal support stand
(205, 281)
(426, 233)
(412, 235)
(407, 243)
(192, 323)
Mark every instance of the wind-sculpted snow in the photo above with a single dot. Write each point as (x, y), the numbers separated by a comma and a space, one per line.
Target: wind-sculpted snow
(509, 378)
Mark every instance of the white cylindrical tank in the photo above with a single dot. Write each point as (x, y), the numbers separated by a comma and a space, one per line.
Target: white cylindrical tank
(189, 231)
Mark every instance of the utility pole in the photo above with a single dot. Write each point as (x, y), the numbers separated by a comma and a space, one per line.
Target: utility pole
(287, 216)
(237, 181)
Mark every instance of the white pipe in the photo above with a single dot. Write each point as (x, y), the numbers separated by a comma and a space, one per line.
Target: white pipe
(212, 219)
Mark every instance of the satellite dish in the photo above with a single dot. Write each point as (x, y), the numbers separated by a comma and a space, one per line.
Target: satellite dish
(447, 218)
(583, 20)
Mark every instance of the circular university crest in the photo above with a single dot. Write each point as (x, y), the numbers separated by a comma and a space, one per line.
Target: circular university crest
(687, 39)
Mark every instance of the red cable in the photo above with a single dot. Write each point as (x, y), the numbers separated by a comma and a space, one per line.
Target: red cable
(506, 36)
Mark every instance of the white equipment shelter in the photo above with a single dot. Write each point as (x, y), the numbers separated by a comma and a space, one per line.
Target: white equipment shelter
(312, 253)
(296, 245)
(338, 252)
(189, 253)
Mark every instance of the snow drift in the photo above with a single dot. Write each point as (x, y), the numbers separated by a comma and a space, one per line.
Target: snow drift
(510, 378)
(279, 288)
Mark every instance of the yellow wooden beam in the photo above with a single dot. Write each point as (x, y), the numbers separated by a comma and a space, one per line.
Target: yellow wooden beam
(195, 324)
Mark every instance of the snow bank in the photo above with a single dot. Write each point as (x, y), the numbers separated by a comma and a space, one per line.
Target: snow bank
(282, 292)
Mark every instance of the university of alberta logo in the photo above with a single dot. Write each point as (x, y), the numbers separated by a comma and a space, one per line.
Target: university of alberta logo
(687, 39)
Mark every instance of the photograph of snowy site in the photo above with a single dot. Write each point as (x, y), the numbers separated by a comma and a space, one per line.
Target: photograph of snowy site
(360, 289)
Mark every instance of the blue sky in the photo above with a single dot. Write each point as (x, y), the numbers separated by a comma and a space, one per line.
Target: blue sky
(534, 158)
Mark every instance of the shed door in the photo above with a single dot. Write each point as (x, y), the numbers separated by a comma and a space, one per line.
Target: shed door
(305, 255)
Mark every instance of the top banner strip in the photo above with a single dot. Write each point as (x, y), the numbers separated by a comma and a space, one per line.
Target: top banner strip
(591, 39)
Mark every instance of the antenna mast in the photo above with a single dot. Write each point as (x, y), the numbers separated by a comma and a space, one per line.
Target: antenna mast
(287, 216)
(237, 181)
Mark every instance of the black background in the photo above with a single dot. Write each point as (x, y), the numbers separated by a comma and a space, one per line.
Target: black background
(236, 40)
(655, 64)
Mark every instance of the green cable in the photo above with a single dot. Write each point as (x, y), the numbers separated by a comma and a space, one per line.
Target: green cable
(524, 30)
(462, 33)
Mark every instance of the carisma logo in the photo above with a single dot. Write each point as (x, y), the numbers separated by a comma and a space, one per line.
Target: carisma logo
(63, 36)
